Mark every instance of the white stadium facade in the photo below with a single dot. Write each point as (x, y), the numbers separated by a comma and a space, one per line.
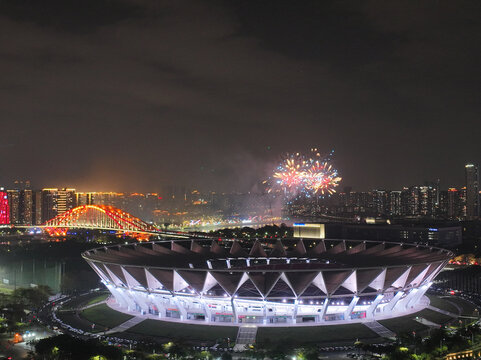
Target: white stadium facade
(267, 282)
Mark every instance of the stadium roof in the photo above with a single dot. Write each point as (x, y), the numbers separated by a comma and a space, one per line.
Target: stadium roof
(285, 254)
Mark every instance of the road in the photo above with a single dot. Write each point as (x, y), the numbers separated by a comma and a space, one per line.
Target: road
(21, 350)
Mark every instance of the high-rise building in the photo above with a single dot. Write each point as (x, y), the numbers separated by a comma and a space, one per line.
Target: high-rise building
(14, 205)
(418, 201)
(84, 198)
(379, 201)
(472, 191)
(462, 201)
(101, 198)
(56, 202)
(26, 207)
(22, 184)
(49, 204)
(435, 190)
(454, 208)
(37, 208)
(442, 209)
(410, 201)
(427, 200)
(65, 200)
(395, 208)
(4, 208)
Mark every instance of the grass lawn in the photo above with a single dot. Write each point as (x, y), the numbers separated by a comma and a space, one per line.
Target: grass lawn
(403, 324)
(97, 299)
(81, 301)
(69, 317)
(171, 330)
(434, 316)
(105, 316)
(314, 334)
(443, 304)
(5, 290)
(466, 307)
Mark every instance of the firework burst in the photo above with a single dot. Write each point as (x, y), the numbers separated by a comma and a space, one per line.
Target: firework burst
(321, 178)
(290, 172)
(311, 175)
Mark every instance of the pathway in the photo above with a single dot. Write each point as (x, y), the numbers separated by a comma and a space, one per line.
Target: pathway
(126, 325)
(92, 305)
(427, 322)
(430, 307)
(379, 329)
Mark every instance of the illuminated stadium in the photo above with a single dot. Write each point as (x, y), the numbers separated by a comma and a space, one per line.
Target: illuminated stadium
(268, 282)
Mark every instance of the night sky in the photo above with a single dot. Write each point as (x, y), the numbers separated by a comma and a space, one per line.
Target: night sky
(130, 95)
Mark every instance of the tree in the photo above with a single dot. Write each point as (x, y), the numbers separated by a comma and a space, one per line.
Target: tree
(226, 356)
(32, 297)
(279, 350)
(175, 349)
(256, 352)
(67, 347)
(400, 353)
(307, 353)
(205, 355)
(155, 357)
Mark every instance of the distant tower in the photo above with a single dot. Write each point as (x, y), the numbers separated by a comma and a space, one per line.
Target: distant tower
(472, 191)
(26, 207)
(49, 204)
(14, 205)
(454, 204)
(37, 207)
(56, 202)
(65, 200)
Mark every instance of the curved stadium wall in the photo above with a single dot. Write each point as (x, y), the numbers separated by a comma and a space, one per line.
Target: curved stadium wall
(268, 282)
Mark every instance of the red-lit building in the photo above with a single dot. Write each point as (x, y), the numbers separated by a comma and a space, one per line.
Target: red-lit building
(4, 208)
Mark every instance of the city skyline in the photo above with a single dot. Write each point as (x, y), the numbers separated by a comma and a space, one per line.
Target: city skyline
(260, 186)
(213, 93)
(27, 206)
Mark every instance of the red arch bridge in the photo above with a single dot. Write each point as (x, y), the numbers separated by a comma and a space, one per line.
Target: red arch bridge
(100, 217)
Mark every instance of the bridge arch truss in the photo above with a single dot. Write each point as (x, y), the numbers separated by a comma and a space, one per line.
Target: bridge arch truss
(102, 217)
